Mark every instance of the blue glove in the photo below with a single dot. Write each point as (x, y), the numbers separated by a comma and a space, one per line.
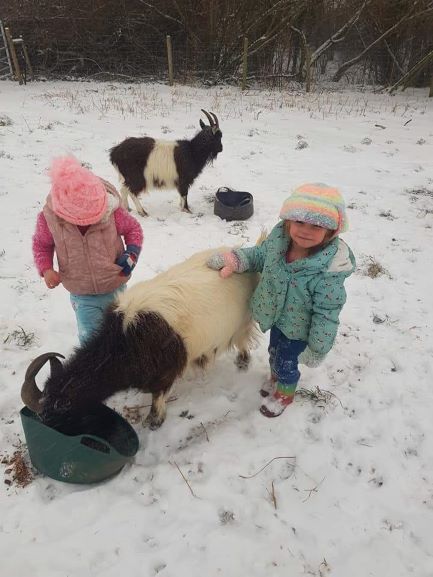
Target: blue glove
(310, 358)
(128, 259)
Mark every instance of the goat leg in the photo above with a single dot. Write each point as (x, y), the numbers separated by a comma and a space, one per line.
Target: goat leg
(158, 411)
(124, 192)
(183, 191)
(138, 206)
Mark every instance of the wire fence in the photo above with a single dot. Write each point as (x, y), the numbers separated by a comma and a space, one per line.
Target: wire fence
(248, 42)
(173, 60)
(176, 58)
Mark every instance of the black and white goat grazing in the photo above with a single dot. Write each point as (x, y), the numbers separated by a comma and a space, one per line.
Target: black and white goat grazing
(183, 317)
(145, 163)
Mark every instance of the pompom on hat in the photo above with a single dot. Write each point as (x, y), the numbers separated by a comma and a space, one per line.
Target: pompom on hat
(77, 195)
(316, 203)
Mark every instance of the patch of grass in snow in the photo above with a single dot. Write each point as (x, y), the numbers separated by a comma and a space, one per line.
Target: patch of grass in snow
(387, 214)
(422, 191)
(18, 471)
(20, 338)
(5, 120)
(302, 143)
(146, 100)
(375, 269)
(317, 396)
(226, 517)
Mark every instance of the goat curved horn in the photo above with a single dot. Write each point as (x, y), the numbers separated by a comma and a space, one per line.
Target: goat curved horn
(209, 117)
(217, 124)
(30, 393)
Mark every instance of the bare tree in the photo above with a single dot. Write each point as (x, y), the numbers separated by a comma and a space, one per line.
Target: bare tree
(340, 35)
(407, 16)
(405, 79)
(287, 39)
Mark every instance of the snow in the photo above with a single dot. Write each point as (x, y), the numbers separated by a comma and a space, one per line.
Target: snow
(352, 474)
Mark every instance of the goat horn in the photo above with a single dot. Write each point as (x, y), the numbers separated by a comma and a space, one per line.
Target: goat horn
(217, 124)
(31, 395)
(209, 117)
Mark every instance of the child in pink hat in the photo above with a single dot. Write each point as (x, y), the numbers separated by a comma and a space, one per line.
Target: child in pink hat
(83, 224)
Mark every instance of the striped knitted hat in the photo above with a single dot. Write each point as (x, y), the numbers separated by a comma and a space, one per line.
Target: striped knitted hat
(316, 203)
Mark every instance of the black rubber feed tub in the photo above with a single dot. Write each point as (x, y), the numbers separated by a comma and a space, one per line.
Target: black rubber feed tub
(233, 204)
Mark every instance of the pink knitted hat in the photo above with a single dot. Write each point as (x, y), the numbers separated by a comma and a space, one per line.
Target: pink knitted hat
(77, 195)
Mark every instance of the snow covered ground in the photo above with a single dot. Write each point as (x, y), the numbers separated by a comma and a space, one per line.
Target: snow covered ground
(342, 483)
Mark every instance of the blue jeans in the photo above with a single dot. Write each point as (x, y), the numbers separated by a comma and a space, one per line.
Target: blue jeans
(89, 311)
(283, 359)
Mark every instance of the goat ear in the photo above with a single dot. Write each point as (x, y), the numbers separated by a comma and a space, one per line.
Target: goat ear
(202, 124)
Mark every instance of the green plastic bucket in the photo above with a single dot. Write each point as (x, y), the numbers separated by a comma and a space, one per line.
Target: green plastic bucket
(95, 446)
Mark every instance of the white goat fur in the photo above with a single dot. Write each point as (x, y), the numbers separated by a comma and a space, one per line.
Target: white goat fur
(160, 165)
(211, 314)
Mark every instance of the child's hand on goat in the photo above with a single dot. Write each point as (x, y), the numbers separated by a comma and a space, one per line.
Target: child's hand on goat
(128, 259)
(51, 278)
(226, 262)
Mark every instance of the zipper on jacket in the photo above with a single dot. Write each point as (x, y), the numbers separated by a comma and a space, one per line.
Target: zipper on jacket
(86, 250)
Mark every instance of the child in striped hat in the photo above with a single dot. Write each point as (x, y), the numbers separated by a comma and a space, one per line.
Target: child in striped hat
(304, 264)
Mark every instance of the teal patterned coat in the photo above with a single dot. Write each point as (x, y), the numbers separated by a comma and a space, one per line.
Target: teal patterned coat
(303, 298)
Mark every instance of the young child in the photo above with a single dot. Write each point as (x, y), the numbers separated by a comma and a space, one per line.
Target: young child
(82, 222)
(304, 264)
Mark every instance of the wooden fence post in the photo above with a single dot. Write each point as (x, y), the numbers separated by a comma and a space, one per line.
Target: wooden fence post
(245, 64)
(170, 60)
(14, 58)
(27, 59)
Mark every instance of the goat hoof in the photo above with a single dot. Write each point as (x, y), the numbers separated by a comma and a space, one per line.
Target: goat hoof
(143, 213)
(242, 361)
(152, 423)
(242, 366)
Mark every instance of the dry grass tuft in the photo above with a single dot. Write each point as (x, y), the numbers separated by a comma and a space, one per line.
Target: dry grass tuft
(20, 338)
(375, 269)
(317, 396)
(17, 471)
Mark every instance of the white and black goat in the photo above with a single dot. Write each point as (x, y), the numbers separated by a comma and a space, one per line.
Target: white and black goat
(146, 163)
(184, 316)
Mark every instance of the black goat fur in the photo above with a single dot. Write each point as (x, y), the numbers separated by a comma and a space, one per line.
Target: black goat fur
(130, 159)
(149, 356)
